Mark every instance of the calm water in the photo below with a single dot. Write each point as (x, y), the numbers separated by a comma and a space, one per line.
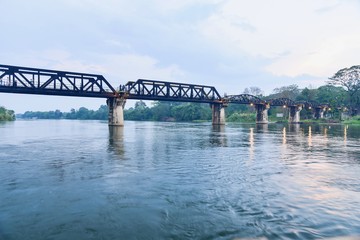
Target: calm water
(81, 180)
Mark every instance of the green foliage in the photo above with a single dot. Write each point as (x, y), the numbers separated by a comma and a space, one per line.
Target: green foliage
(241, 117)
(6, 115)
(83, 114)
(353, 120)
(43, 115)
(307, 95)
(291, 92)
(335, 96)
(349, 78)
(169, 111)
(234, 108)
(140, 113)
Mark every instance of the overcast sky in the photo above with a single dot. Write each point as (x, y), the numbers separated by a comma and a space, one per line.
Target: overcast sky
(229, 44)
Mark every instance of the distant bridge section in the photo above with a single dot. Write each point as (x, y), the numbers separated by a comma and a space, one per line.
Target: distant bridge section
(26, 80)
(282, 102)
(243, 99)
(170, 91)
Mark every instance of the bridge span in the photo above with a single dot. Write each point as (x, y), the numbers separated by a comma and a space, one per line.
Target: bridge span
(25, 80)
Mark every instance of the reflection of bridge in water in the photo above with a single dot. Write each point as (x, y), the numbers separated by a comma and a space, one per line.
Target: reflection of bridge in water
(14, 79)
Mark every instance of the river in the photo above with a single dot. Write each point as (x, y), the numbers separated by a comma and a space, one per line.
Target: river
(68, 179)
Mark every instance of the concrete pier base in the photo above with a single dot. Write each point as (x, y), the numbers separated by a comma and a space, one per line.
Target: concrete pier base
(294, 114)
(116, 111)
(262, 113)
(319, 113)
(218, 114)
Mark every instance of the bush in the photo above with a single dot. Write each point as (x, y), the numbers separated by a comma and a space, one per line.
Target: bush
(242, 117)
(6, 115)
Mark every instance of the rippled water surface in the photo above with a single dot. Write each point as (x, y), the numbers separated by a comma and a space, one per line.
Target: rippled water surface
(81, 180)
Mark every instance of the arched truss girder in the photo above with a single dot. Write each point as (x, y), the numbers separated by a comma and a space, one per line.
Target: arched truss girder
(243, 99)
(308, 104)
(313, 104)
(281, 102)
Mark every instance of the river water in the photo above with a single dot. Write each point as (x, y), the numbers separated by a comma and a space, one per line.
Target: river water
(67, 179)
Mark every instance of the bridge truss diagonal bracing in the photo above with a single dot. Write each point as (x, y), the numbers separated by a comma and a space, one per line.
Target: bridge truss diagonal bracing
(169, 91)
(243, 99)
(51, 82)
(282, 102)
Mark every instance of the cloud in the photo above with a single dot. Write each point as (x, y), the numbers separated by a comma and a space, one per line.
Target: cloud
(314, 42)
(230, 44)
(130, 67)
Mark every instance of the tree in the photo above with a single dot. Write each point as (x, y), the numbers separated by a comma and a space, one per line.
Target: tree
(256, 91)
(307, 94)
(140, 105)
(349, 78)
(335, 96)
(291, 92)
(6, 115)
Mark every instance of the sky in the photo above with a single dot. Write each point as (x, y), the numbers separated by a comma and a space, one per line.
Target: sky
(229, 44)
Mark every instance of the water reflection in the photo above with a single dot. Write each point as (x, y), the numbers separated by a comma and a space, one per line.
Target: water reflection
(295, 128)
(218, 136)
(310, 137)
(264, 128)
(284, 136)
(345, 134)
(116, 140)
(251, 144)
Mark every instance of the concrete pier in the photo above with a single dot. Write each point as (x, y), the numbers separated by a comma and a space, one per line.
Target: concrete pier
(262, 113)
(294, 114)
(319, 113)
(218, 114)
(116, 111)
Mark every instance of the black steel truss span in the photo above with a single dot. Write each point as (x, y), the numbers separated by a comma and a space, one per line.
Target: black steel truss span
(308, 104)
(243, 99)
(15, 79)
(281, 102)
(170, 91)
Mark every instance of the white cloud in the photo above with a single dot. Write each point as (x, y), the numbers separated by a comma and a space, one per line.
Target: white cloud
(130, 67)
(230, 44)
(315, 40)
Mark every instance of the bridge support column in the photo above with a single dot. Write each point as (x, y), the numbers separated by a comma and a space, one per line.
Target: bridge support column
(218, 114)
(116, 111)
(294, 114)
(319, 113)
(262, 113)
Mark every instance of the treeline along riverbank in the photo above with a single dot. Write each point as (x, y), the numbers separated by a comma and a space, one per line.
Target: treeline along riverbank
(6, 115)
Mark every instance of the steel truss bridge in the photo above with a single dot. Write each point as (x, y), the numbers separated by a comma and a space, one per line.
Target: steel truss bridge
(170, 91)
(15, 79)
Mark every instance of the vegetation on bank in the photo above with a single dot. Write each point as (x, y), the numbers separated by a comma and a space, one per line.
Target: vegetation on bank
(188, 112)
(81, 114)
(353, 120)
(6, 115)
